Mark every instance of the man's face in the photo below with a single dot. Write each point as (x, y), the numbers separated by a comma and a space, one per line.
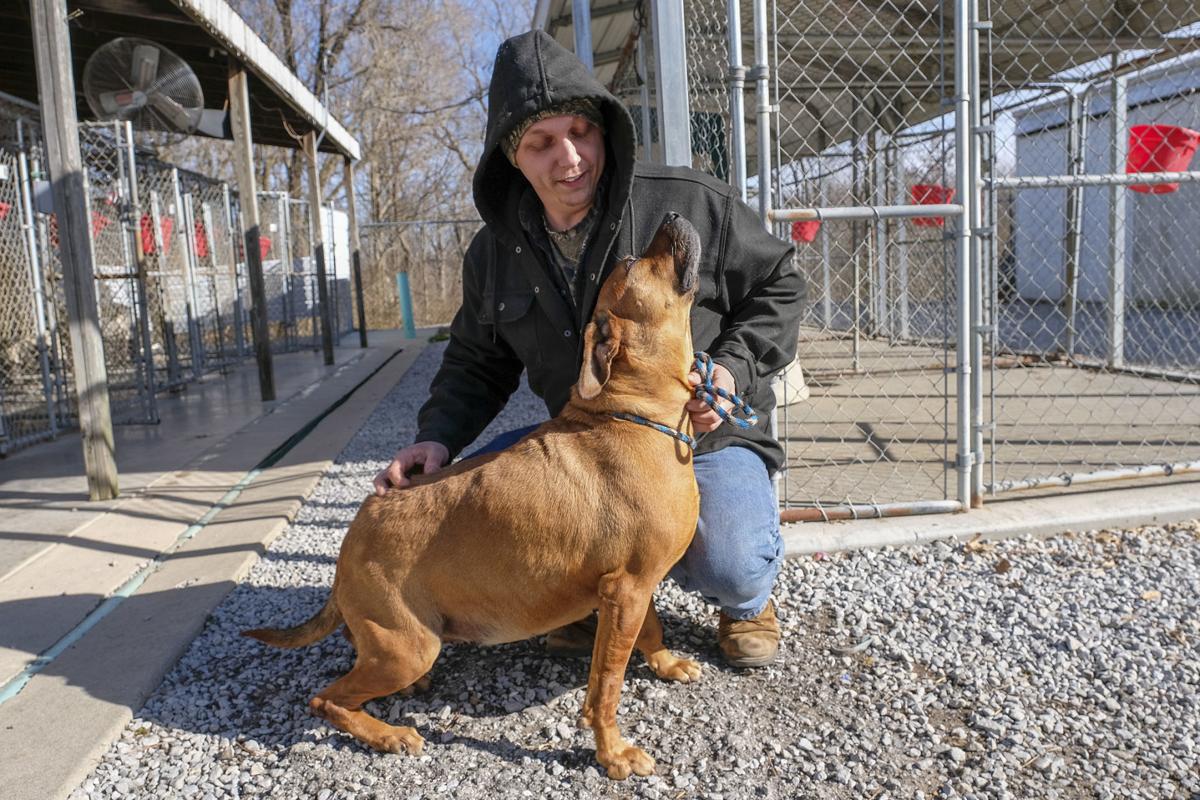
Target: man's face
(562, 158)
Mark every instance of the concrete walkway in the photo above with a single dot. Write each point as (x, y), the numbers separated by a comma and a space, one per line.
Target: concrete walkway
(98, 600)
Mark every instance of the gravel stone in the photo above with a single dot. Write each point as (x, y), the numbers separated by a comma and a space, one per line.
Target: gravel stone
(911, 672)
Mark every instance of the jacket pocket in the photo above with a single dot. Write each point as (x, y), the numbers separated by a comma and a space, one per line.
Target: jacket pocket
(514, 317)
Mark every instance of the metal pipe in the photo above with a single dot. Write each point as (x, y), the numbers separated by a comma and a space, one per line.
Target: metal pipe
(644, 92)
(239, 335)
(581, 23)
(871, 511)
(670, 74)
(1120, 473)
(183, 232)
(866, 212)
(901, 245)
(1116, 228)
(1111, 179)
(826, 268)
(974, 221)
(877, 170)
(962, 179)
(139, 281)
(760, 74)
(737, 86)
(1074, 241)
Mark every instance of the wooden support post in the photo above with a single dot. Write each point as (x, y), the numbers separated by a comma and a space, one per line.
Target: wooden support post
(239, 113)
(56, 87)
(318, 243)
(355, 259)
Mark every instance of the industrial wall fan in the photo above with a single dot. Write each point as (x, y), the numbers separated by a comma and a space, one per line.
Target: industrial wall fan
(148, 85)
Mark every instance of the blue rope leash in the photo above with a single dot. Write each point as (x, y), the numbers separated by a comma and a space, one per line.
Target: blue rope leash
(707, 392)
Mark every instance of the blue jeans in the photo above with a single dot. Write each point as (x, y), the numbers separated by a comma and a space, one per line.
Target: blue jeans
(737, 552)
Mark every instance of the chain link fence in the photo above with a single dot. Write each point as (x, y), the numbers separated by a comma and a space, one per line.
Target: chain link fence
(170, 278)
(1084, 305)
(35, 399)
(1094, 279)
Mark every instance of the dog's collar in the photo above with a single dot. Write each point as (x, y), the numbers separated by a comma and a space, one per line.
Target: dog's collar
(707, 392)
(690, 441)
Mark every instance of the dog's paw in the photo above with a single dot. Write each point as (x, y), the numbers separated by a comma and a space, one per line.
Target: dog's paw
(401, 740)
(671, 667)
(625, 761)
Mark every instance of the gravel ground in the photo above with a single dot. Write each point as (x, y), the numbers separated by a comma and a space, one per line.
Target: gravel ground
(1061, 668)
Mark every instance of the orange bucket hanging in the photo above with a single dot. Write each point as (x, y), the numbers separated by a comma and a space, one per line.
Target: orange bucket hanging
(1159, 148)
(930, 194)
(805, 230)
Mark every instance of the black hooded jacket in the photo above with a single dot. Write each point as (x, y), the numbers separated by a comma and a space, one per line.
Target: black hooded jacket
(747, 309)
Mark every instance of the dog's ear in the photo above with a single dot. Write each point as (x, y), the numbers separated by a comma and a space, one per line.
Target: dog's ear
(601, 342)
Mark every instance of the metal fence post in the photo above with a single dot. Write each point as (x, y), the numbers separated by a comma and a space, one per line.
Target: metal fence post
(133, 233)
(355, 254)
(239, 335)
(962, 169)
(737, 104)
(184, 230)
(581, 24)
(56, 83)
(674, 122)
(404, 293)
(1116, 278)
(973, 220)
(1076, 139)
(900, 322)
(317, 242)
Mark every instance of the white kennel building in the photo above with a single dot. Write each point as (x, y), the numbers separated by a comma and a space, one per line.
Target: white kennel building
(1162, 231)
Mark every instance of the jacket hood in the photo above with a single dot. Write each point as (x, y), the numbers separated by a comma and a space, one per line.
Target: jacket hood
(533, 72)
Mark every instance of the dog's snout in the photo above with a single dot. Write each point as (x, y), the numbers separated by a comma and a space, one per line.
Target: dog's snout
(671, 216)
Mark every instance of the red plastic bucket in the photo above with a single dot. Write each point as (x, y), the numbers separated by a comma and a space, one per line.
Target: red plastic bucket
(1159, 148)
(805, 230)
(166, 223)
(264, 246)
(201, 237)
(930, 194)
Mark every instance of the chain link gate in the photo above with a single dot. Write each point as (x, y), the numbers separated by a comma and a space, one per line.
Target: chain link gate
(107, 150)
(1086, 341)
(1093, 284)
(852, 127)
(34, 403)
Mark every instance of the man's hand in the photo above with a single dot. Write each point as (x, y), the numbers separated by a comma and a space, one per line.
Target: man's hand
(704, 418)
(432, 456)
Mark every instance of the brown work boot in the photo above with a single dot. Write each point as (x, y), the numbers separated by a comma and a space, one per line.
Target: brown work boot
(749, 642)
(574, 640)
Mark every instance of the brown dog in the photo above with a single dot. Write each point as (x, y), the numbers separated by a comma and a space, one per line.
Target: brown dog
(588, 511)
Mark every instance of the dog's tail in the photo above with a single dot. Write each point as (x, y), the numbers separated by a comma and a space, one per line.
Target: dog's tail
(317, 628)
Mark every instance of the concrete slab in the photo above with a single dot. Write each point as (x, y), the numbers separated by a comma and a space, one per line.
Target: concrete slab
(52, 731)
(1102, 506)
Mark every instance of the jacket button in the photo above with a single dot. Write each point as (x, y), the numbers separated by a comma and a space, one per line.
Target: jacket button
(612, 226)
(518, 248)
(537, 289)
(592, 277)
(567, 334)
(500, 307)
